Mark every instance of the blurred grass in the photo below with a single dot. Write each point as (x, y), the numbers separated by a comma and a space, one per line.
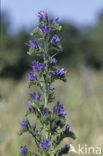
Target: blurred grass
(83, 99)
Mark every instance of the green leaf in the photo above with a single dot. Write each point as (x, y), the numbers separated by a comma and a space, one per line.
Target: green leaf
(21, 131)
(28, 112)
(63, 135)
(56, 27)
(31, 51)
(57, 47)
(31, 83)
(37, 31)
(71, 135)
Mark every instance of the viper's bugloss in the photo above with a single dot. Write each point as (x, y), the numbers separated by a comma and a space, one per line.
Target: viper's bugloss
(53, 127)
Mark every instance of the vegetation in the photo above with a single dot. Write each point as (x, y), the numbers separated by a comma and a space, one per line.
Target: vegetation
(80, 47)
(83, 91)
(84, 94)
(53, 126)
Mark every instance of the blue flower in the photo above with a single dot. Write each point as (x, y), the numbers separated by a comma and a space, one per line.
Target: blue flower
(59, 111)
(60, 72)
(33, 44)
(42, 66)
(31, 76)
(67, 147)
(37, 131)
(45, 29)
(55, 38)
(36, 65)
(42, 14)
(55, 21)
(35, 96)
(45, 111)
(25, 123)
(46, 56)
(53, 61)
(45, 143)
(59, 104)
(30, 106)
(23, 149)
(67, 128)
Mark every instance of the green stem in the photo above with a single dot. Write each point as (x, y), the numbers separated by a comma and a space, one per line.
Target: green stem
(45, 100)
(46, 88)
(45, 45)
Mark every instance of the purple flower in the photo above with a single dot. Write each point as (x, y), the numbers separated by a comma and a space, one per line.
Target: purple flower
(37, 131)
(30, 106)
(34, 126)
(25, 123)
(53, 61)
(67, 128)
(59, 104)
(46, 56)
(36, 65)
(23, 149)
(59, 72)
(35, 95)
(55, 38)
(67, 147)
(42, 14)
(31, 76)
(59, 111)
(55, 21)
(45, 111)
(33, 44)
(45, 29)
(45, 143)
(42, 66)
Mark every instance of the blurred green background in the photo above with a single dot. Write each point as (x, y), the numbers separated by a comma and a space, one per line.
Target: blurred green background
(82, 95)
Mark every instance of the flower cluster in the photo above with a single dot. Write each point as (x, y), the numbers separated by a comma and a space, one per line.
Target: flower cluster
(55, 38)
(23, 149)
(53, 127)
(37, 66)
(31, 76)
(45, 143)
(35, 96)
(42, 14)
(30, 105)
(25, 123)
(33, 44)
(67, 128)
(59, 72)
(59, 110)
(45, 111)
(55, 21)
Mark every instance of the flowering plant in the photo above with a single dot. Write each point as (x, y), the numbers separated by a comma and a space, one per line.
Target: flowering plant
(53, 126)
